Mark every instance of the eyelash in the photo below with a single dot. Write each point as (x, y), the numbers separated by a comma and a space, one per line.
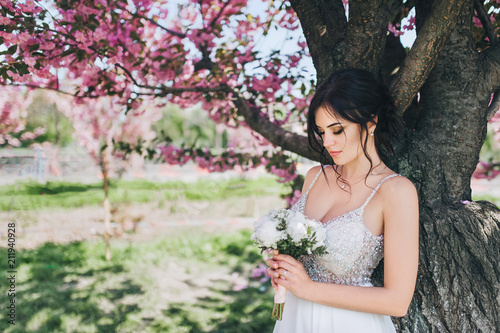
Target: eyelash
(335, 133)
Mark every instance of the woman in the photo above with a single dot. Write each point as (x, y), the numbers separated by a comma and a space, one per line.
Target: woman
(368, 212)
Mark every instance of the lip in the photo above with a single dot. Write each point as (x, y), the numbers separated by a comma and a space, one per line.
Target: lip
(334, 153)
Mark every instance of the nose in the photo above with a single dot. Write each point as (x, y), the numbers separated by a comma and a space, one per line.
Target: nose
(328, 139)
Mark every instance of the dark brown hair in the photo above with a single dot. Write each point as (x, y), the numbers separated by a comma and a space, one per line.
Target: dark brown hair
(358, 97)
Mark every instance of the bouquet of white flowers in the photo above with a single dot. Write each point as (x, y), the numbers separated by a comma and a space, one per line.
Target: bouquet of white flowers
(290, 233)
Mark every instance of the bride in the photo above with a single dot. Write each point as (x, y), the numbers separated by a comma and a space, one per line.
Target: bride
(369, 212)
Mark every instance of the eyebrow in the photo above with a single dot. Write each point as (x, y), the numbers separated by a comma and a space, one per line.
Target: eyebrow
(331, 125)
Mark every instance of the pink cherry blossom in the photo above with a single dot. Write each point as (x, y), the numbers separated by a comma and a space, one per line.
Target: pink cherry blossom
(395, 30)
(204, 54)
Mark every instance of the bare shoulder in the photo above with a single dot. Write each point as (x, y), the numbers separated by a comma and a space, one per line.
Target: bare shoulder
(398, 189)
(310, 177)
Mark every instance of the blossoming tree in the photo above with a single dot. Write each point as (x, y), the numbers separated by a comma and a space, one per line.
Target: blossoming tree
(101, 123)
(210, 52)
(14, 103)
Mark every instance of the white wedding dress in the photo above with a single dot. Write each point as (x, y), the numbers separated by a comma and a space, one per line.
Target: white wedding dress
(353, 254)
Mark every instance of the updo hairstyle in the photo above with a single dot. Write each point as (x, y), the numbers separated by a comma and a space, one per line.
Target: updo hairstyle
(358, 97)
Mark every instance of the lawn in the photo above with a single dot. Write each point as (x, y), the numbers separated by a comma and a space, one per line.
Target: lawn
(184, 282)
(187, 280)
(34, 196)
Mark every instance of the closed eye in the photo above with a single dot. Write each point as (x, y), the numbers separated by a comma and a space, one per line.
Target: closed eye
(338, 132)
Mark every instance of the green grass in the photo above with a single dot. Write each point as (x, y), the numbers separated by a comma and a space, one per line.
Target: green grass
(72, 288)
(34, 196)
(487, 197)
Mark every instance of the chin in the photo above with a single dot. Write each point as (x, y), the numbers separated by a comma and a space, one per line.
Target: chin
(338, 161)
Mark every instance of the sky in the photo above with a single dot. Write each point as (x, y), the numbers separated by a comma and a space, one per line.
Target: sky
(285, 40)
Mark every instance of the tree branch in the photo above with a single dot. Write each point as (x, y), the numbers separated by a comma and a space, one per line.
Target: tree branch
(367, 34)
(276, 135)
(325, 25)
(219, 14)
(485, 21)
(256, 121)
(425, 51)
(32, 86)
(152, 21)
(323, 18)
(172, 90)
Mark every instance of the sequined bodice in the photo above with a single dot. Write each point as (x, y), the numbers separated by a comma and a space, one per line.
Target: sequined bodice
(353, 251)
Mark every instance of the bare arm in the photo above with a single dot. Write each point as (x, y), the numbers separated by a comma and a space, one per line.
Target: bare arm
(400, 213)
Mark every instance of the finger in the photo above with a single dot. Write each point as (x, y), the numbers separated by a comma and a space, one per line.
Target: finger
(274, 274)
(284, 257)
(284, 274)
(272, 263)
(274, 284)
(285, 265)
(282, 282)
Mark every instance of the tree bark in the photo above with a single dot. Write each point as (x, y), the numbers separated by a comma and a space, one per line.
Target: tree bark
(335, 42)
(275, 134)
(458, 287)
(424, 52)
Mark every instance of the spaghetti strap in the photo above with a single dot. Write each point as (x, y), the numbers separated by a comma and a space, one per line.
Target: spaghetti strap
(376, 188)
(315, 178)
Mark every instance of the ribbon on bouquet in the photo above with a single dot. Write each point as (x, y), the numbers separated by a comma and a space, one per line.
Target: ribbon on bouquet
(279, 303)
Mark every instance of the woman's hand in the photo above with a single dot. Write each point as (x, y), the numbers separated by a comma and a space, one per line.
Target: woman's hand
(290, 273)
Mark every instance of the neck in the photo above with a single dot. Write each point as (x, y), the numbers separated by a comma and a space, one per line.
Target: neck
(361, 167)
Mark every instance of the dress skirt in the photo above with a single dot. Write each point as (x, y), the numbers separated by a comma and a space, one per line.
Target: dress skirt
(301, 316)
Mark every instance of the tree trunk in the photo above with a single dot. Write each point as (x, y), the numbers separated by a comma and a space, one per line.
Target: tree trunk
(458, 287)
(107, 208)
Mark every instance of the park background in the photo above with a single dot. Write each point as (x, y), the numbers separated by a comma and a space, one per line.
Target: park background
(181, 259)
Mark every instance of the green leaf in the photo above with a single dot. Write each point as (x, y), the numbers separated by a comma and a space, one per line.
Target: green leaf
(22, 69)
(33, 48)
(80, 55)
(67, 52)
(10, 50)
(303, 89)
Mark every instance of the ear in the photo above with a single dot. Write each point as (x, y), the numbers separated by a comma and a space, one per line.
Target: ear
(372, 124)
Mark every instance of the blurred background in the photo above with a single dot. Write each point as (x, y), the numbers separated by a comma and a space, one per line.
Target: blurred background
(136, 217)
(180, 255)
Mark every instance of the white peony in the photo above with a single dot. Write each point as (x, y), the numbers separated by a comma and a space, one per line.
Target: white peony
(296, 227)
(266, 233)
(265, 219)
(320, 233)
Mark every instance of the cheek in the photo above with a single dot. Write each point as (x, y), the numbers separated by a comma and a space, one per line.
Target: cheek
(353, 141)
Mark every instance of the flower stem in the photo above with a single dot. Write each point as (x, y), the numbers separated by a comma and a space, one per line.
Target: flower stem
(278, 311)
